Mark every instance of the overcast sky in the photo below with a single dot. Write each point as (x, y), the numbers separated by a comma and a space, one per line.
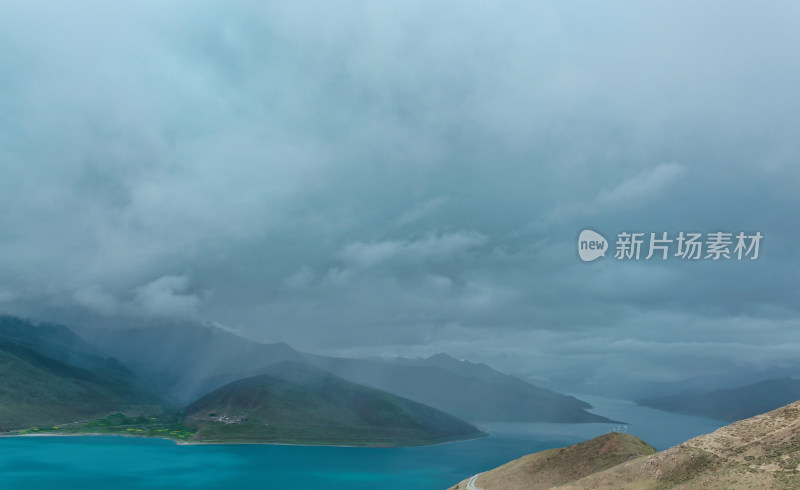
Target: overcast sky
(404, 178)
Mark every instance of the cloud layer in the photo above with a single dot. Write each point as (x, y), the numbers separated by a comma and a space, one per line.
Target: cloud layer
(404, 178)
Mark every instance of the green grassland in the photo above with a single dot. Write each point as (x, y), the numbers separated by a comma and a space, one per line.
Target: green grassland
(166, 426)
(37, 390)
(170, 426)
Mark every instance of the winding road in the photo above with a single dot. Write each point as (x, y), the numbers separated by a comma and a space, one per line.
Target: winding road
(471, 483)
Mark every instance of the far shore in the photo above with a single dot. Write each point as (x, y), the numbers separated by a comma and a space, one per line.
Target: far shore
(201, 443)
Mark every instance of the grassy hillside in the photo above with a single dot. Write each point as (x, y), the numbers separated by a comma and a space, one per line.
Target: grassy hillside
(300, 404)
(732, 404)
(548, 469)
(38, 390)
(60, 343)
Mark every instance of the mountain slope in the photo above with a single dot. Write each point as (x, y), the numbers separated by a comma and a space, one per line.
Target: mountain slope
(39, 390)
(547, 469)
(295, 403)
(760, 452)
(185, 361)
(731, 404)
(469, 391)
(60, 343)
(646, 387)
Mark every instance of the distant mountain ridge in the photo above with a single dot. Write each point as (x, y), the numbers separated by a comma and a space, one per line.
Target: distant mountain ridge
(731, 404)
(185, 360)
(53, 381)
(640, 389)
(188, 360)
(470, 391)
(60, 343)
(51, 375)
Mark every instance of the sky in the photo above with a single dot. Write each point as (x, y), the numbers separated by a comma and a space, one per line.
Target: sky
(391, 178)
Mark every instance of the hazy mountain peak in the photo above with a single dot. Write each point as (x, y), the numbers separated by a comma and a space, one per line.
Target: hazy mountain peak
(733, 403)
(441, 356)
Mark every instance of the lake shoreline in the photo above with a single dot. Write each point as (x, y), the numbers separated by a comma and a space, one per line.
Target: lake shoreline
(87, 462)
(207, 443)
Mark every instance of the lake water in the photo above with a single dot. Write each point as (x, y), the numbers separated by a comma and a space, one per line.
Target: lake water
(126, 462)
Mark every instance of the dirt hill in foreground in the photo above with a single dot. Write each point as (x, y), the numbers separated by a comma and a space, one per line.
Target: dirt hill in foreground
(554, 467)
(759, 452)
(762, 452)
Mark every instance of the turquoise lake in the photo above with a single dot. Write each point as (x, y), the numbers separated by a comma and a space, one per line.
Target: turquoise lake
(127, 462)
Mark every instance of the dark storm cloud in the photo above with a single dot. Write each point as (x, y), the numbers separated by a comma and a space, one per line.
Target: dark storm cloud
(384, 178)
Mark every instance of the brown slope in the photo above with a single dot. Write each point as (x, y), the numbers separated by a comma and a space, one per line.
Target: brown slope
(554, 467)
(760, 452)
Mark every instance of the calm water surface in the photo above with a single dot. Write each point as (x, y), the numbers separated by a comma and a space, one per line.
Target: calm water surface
(126, 462)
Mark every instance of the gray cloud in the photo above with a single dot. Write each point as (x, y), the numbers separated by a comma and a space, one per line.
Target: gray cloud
(167, 296)
(405, 177)
(431, 248)
(646, 186)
